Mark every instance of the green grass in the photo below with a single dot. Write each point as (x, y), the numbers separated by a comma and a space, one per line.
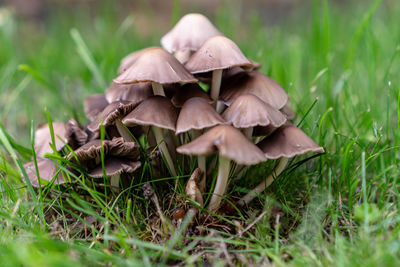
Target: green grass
(340, 66)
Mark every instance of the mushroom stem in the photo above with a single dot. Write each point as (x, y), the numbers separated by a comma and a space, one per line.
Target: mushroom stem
(264, 184)
(164, 149)
(123, 131)
(215, 85)
(114, 181)
(248, 132)
(158, 89)
(220, 107)
(222, 181)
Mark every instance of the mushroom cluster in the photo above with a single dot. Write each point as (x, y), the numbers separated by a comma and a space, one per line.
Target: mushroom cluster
(197, 95)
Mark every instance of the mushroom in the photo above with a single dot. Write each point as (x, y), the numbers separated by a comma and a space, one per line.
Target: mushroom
(216, 54)
(248, 111)
(119, 157)
(286, 142)
(157, 66)
(289, 113)
(47, 171)
(196, 115)
(254, 83)
(135, 93)
(112, 115)
(188, 35)
(158, 112)
(188, 91)
(231, 144)
(193, 186)
(64, 133)
(93, 105)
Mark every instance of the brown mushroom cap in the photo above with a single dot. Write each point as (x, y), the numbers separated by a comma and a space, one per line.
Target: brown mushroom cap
(89, 151)
(254, 83)
(47, 171)
(135, 93)
(128, 60)
(188, 91)
(94, 104)
(288, 141)
(156, 65)
(230, 143)
(191, 31)
(113, 166)
(111, 113)
(249, 111)
(217, 53)
(197, 114)
(156, 110)
(43, 138)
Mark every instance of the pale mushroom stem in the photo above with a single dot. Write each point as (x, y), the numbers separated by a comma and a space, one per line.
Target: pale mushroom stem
(215, 85)
(123, 131)
(222, 181)
(264, 184)
(164, 149)
(158, 89)
(248, 132)
(114, 181)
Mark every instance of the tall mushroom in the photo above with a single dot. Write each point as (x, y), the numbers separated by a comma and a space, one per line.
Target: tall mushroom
(216, 54)
(248, 111)
(196, 115)
(188, 35)
(231, 144)
(157, 66)
(158, 112)
(286, 142)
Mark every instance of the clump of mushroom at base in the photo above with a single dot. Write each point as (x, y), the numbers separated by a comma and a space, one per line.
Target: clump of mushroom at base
(235, 117)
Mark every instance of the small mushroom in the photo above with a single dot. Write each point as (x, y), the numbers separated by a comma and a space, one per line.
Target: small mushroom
(286, 142)
(119, 157)
(216, 54)
(128, 60)
(158, 112)
(231, 144)
(47, 171)
(196, 115)
(254, 83)
(248, 111)
(188, 35)
(112, 115)
(157, 66)
(194, 184)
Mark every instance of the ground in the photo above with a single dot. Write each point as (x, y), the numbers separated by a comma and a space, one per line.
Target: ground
(340, 66)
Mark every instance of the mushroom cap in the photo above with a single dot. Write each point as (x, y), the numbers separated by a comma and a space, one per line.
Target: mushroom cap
(128, 60)
(230, 143)
(111, 113)
(217, 53)
(43, 137)
(189, 33)
(288, 141)
(135, 93)
(93, 105)
(188, 91)
(249, 111)
(197, 114)
(113, 166)
(47, 171)
(156, 65)
(156, 110)
(254, 83)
